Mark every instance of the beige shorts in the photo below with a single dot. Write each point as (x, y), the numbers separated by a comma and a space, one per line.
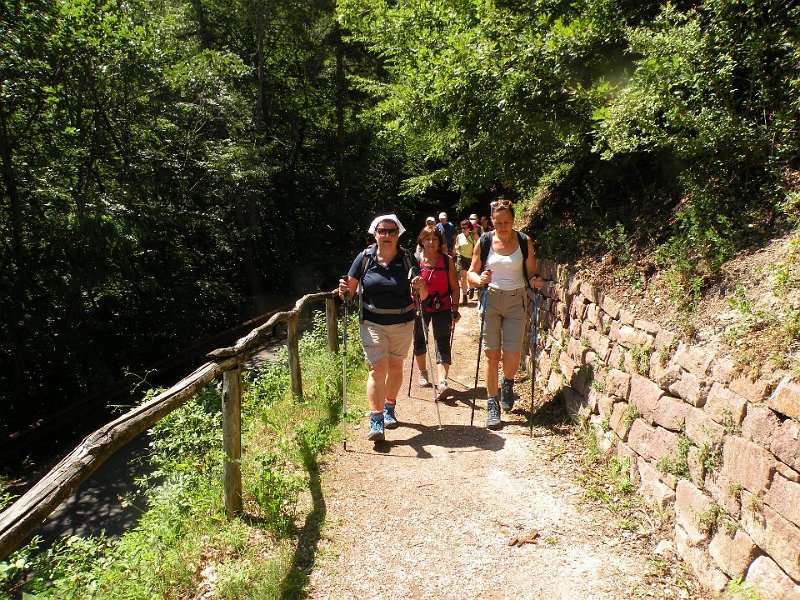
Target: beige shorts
(504, 320)
(386, 341)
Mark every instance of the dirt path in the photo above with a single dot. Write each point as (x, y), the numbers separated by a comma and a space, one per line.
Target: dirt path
(469, 513)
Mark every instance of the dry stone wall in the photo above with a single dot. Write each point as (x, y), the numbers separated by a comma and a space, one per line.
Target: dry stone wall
(720, 450)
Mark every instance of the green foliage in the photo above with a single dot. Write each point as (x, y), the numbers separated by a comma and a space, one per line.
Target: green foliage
(742, 589)
(275, 490)
(640, 357)
(709, 455)
(161, 167)
(619, 472)
(677, 463)
(631, 414)
(184, 525)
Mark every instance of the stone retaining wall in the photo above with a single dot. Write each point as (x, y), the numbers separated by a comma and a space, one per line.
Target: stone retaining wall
(720, 450)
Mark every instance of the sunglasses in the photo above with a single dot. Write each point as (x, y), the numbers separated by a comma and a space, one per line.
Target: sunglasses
(386, 230)
(500, 204)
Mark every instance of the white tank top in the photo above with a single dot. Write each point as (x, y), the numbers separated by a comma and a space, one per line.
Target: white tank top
(506, 270)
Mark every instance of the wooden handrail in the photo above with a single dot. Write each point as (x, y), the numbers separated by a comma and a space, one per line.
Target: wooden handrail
(21, 518)
(251, 340)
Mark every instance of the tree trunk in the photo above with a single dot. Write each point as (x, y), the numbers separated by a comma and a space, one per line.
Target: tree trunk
(261, 115)
(202, 24)
(341, 91)
(16, 266)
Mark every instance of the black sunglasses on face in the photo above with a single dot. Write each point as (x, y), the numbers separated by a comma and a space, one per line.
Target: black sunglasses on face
(386, 230)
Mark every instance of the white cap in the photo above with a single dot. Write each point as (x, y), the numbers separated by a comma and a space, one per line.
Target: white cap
(430, 220)
(474, 217)
(389, 217)
(442, 215)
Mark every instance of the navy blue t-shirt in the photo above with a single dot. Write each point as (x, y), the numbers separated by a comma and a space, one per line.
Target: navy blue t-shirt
(449, 232)
(385, 287)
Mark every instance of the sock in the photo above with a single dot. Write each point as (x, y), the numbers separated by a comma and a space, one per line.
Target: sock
(390, 401)
(376, 412)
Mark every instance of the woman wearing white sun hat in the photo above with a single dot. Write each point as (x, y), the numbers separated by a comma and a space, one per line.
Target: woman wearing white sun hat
(386, 313)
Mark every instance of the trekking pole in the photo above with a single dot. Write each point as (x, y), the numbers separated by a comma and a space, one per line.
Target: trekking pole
(478, 366)
(411, 366)
(344, 373)
(534, 320)
(428, 355)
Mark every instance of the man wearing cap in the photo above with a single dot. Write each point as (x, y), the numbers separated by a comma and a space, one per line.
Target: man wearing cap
(448, 230)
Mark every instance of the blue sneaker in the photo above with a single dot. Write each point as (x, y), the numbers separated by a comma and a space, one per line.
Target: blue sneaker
(507, 394)
(389, 417)
(375, 428)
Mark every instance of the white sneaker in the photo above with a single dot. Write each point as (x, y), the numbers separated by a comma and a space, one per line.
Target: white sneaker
(441, 389)
(423, 379)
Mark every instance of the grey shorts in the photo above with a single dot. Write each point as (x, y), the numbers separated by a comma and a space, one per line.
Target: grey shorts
(504, 325)
(386, 341)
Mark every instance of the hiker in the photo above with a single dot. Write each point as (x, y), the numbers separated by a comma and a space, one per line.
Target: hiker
(430, 225)
(485, 225)
(440, 308)
(386, 314)
(465, 243)
(476, 226)
(505, 264)
(448, 230)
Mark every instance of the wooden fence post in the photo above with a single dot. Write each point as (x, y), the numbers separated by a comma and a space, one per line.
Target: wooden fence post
(330, 320)
(292, 342)
(232, 441)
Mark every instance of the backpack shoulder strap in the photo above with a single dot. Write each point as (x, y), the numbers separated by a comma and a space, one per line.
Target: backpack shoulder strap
(486, 245)
(407, 262)
(366, 254)
(523, 246)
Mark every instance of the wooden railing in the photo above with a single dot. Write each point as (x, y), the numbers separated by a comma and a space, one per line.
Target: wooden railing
(20, 519)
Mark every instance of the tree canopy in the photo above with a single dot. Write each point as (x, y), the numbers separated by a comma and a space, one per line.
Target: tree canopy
(167, 167)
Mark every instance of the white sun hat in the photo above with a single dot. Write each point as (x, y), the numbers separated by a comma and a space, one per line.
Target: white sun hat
(389, 217)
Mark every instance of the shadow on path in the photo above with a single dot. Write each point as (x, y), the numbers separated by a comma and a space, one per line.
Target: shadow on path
(464, 437)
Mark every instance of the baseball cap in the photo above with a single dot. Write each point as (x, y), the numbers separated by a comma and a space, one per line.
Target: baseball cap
(473, 217)
(442, 215)
(430, 220)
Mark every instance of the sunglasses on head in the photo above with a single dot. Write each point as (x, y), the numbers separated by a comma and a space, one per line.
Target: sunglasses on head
(386, 230)
(500, 204)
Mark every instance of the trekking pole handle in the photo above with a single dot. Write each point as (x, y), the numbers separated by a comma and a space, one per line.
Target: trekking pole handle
(482, 284)
(344, 293)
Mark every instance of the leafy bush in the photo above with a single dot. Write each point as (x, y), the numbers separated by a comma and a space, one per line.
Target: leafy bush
(184, 526)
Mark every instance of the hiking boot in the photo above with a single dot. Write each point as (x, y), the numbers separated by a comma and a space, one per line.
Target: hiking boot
(493, 413)
(389, 417)
(507, 394)
(471, 293)
(375, 428)
(423, 379)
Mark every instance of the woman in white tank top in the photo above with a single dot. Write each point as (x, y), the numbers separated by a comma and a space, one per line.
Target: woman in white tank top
(504, 276)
